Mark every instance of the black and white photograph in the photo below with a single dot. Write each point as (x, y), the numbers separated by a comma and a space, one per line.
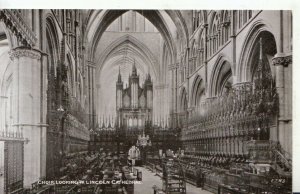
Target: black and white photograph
(146, 101)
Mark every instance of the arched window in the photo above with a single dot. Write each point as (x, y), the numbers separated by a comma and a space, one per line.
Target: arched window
(221, 78)
(194, 20)
(268, 52)
(183, 101)
(213, 32)
(226, 84)
(214, 39)
(199, 18)
(226, 26)
(218, 35)
(249, 14)
(201, 55)
(194, 58)
(245, 18)
(240, 18)
(226, 33)
(182, 74)
(130, 122)
(197, 93)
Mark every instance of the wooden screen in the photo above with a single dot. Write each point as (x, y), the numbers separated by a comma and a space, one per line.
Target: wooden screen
(13, 166)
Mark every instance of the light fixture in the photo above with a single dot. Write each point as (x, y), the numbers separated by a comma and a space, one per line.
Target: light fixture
(143, 140)
(60, 109)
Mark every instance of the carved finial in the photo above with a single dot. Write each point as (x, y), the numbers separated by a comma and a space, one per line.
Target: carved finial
(109, 124)
(119, 76)
(149, 76)
(103, 125)
(134, 72)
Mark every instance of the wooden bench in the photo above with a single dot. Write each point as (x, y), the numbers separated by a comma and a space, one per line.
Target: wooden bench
(158, 168)
(157, 190)
(150, 166)
(35, 187)
(45, 190)
(98, 190)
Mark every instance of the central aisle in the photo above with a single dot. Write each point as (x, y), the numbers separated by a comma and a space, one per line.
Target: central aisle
(148, 180)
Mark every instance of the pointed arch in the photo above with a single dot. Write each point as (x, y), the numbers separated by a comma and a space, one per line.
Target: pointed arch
(52, 43)
(226, 26)
(179, 21)
(211, 21)
(183, 100)
(102, 19)
(7, 34)
(165, 61)
(71, 75)
(138, 45)
(198, 89)
(201, 47)
(203, 17)
(244, 69)
(221, 73)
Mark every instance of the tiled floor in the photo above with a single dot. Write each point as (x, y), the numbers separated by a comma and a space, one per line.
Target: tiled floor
(149, 180)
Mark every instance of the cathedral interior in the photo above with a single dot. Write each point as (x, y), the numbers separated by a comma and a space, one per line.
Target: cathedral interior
(145, 101)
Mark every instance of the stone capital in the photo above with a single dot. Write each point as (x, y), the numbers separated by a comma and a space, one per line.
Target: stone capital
(91, 64)
(173, 66)
(24, 52)
(283, 60)
(201, 49)
(204, 25)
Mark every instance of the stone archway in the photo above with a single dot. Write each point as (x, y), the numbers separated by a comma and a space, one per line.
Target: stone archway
(221, 76)
(198, 91)
(140, 48)
(183, 100)
(243, 71)
(104, 18)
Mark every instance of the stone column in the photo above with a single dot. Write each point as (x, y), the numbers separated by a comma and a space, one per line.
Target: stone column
(188, 79)
(282, 63)
(205, 56)
(194, 63)
(91, 91)
(173, 96)
(97, 103)
(27, 110)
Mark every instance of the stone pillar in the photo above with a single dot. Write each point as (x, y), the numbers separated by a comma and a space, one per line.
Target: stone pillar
(188, 79)
(27, 110)
(205, 56)
(173, 96)
(176, 81)
(194, 63)
(282, 63)
(91, 91)
(97, 103)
